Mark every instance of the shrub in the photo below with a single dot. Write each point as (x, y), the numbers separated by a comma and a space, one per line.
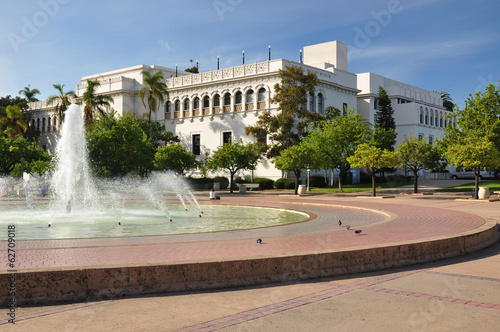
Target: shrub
(264, 183)
(317, 181)
(224, 182)
(284, 184)
(200, 183)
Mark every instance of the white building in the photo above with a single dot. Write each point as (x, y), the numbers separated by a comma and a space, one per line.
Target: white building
(209, 108)
(417, 112)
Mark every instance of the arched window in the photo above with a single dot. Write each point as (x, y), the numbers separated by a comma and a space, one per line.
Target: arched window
(432, 118)
(311, 102)
(249, 96)
(216, 101)
(49, 124)
(168, 107)
(206, 102)
(177, 105)
(262, 95)
(421, 116)
(261, 99)
(426, 116)
(38, 123)
(196, 103)
(227, 99)
(238, 97)
(187, 105)
(33, 123)
(320, 103)
(43, 123)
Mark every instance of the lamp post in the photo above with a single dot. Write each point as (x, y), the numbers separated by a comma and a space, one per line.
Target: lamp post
(217, 62)
(197, 66)
(243, 57)
(269, 52)
(300, 56)
(176, 70)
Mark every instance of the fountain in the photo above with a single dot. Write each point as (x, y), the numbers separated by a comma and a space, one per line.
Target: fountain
(81, 206)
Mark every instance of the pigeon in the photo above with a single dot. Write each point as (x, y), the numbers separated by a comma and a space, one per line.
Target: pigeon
(358, 231)
(340, 223)
(259, 241)
(348, 227)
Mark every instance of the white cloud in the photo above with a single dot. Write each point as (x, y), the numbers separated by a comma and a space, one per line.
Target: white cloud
(164, 44)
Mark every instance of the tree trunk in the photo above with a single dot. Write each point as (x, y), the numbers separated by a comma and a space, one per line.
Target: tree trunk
(340, 181)
(374, 186)
(476, 194)
(415, 181)
(231, 183)
(297, 176)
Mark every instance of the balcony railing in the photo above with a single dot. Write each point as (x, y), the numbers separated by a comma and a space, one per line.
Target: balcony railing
(237, 108)
(249, 107)
(216, 110)
(227, 109)
(261, 105)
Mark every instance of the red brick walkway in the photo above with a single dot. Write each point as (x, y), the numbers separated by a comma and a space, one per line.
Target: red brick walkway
(406, 223)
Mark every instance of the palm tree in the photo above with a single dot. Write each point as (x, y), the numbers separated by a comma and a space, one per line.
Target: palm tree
(94, 103)
(29, 94)
(63, 100)
(447, 101)
(154, 92)
(13, 121)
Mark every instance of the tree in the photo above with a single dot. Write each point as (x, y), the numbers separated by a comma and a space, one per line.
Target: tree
(475, 142)
(13, 122)
(292, 120)
(416, 154)
(62, 99)
(94, 103)
(385, 126)
(447, 101)
(157, 134)
(13, 149)
(174, 157)
(335, 140)
(155, 91)
(118, 146)
(294, 159)
(373, 158)
(233, 157)
(29, 94)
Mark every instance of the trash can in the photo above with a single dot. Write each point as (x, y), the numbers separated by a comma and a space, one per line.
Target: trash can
(243, 188)
(483, 193)
(302, 189)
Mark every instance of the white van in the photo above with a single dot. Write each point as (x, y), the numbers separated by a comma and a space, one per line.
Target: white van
(469, 174)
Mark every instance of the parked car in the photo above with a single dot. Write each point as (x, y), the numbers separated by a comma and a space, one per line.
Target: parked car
(470, 175)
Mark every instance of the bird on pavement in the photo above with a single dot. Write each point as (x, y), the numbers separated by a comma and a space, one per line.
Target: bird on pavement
(340, 223)
(358, 231)
(348, 227)
(259, 241)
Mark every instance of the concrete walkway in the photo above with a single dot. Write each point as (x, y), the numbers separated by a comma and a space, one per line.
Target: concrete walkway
(461, 293)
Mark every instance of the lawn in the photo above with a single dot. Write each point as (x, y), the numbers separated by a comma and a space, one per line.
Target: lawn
(356, 188)
(494, 185)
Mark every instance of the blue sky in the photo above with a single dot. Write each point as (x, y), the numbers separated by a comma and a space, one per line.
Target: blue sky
(433, 44)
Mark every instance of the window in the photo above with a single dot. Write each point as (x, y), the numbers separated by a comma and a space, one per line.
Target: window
(177, 105)
(227, 99)
(226, 137)
(344, 108)
(262, 138)
(311, 102)
(320, 103)
(38, 123)
(430, 139)
(420, 136)
(206, 102)
(186, 105)
(168, 107)
(375, 104)
(250, 96)
(216, 101)
(196, 103)
(262, 95)
(238, 98)
(196, 144)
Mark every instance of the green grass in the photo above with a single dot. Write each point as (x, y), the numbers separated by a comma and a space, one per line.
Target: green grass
(494, 185)
(356, 188)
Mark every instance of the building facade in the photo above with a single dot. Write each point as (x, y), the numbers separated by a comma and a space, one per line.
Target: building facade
(208, 109)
